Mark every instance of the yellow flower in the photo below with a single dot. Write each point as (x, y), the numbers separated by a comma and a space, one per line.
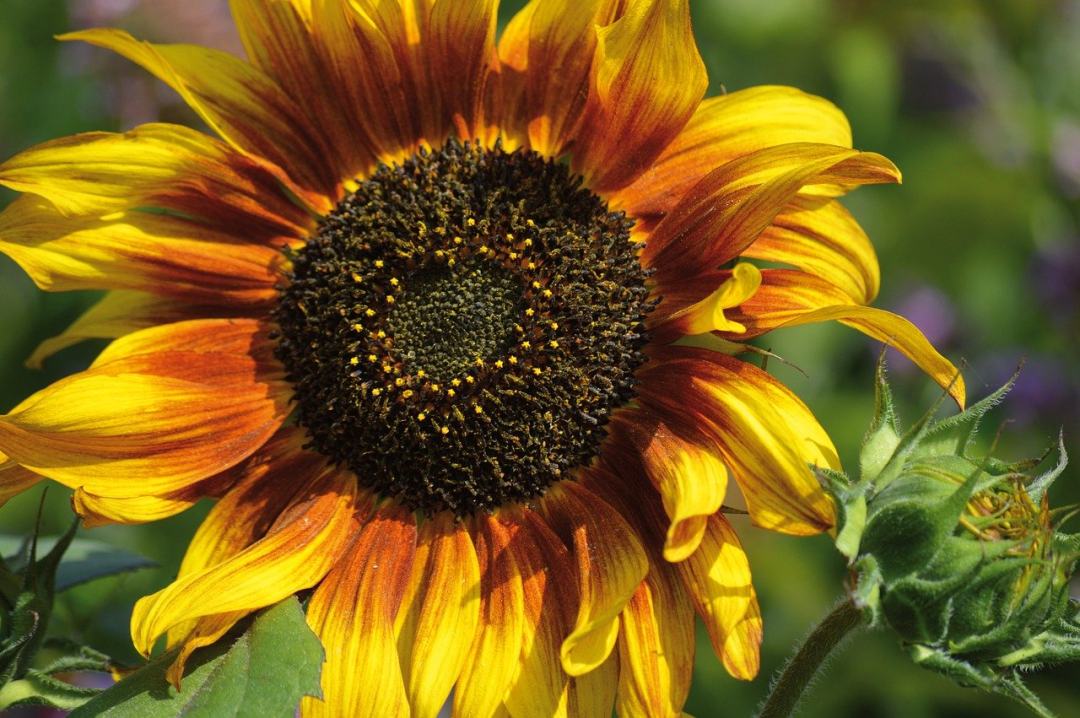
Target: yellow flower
(502, 476)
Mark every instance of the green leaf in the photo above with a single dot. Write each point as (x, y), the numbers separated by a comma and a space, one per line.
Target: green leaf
(263, 673)
(84, 561)
(39, 689)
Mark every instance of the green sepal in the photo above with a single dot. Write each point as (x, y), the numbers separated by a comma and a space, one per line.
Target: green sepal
(883, 436)
(40, 689)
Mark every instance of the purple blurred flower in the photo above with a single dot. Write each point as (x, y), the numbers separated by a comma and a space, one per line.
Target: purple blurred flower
(931, 311)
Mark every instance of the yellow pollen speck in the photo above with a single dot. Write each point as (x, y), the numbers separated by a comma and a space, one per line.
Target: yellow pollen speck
(528, 242)
(532, 265)
(372, 358)
(420, 374)
(547, 294)
(526, 344)
(354, 361)
(458, 240)
(389, 298)
(513, 359)
(421, 416)
(471, 222)
(407, 393)
(470, 379)
(499, 364)
(357, 278)
(379, 264)
(451, 262)
(358, 327)
(553, 344)
(530, 223)
(536, 285)
(380, 334)
(451, 393)
(376, 392)
(478, 409)
(434, 387)
(421, 228)
(456, 382)
(399, 382)
(387, 368)
(370, 312)
(479, 361)
(394, 281)
(440, 231)
(510, 236)
(530, 311)
(440, 253)
(537, 370)
(514, 255)
(554, 325)
(445, 430)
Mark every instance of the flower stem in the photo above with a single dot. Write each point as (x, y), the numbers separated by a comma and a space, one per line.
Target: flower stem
(788, 687)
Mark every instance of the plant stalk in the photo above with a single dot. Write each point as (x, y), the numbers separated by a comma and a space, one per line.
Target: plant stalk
(788, 688)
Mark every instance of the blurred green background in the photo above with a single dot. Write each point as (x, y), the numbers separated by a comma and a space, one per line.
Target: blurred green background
(977, 102)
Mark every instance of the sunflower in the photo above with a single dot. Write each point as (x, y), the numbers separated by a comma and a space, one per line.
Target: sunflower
(452, 327)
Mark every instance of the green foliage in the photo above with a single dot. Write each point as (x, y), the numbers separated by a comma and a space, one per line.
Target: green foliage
(959, 555)
(28, 588)
(262, 673)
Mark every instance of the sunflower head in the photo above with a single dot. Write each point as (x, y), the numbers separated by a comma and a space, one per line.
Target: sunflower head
(454, 325)
(960, 555)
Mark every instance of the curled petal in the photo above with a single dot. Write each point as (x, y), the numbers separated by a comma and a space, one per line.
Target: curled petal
(353, 613)
(718, 579)
(765, 434)
(708, 315)
(610, 562)
(730, 207)
(647, 80)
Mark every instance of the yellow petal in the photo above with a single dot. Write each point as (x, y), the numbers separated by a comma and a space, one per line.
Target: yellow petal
(163, 166)
(461, 55)
(296, 555)
(142, 251)
(439, 617)
(648, 78)
(200, 412)
(593, 694)
(656, 647)
(792, 298)
(823, 239)
(238, 101)
(118, 313)
(14, 479)
(496, 648)
(610, 562)
(96, 510)
(548, 584)
(899, 333)
(718, 579)
(353, 613)
(727, 127)
(767, 437)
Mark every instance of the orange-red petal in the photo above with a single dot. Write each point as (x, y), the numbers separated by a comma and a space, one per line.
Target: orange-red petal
(353, 613)
(647, 80)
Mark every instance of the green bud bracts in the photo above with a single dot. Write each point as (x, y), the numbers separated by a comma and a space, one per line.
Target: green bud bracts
(960, 555)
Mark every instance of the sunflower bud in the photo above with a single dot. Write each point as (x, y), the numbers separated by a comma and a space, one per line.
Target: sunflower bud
(961, 556)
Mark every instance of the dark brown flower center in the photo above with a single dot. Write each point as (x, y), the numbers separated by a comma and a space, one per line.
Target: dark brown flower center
(462, 326)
